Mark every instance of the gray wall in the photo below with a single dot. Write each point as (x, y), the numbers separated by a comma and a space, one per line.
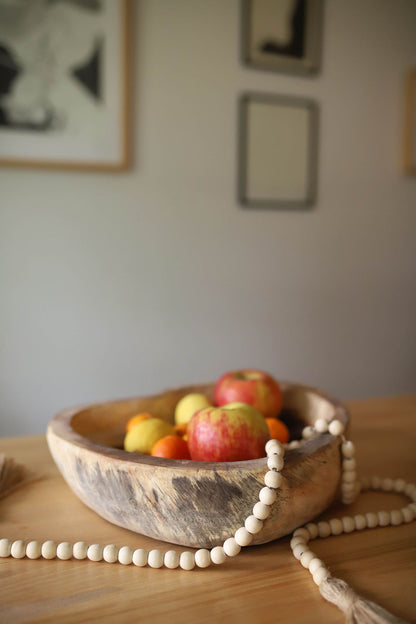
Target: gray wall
(124, 284)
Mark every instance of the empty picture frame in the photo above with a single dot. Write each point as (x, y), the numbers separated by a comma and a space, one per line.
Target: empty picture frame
(409, 152)
(277, 151)
(282, 35)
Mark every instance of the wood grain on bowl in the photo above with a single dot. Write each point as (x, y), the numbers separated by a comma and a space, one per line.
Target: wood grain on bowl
(197, 504)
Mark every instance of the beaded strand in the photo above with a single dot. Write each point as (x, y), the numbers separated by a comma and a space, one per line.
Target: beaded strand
(243, 536)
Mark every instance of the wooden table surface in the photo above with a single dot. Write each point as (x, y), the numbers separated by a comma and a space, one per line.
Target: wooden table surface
(263, 584)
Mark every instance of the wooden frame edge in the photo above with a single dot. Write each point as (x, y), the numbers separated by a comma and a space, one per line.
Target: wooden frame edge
(409, 167)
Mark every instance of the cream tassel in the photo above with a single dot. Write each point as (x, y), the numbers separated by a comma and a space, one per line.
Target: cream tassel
(357, 610)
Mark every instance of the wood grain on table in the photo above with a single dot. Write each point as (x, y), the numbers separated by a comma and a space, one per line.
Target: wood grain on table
(263, 584)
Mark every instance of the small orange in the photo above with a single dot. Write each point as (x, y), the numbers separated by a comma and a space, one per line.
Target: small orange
(181, 430)
(135, 420)
(171, 447)
(278, 430)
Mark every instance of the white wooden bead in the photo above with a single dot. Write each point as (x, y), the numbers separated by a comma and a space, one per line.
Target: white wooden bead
(218, 555)
(336, 526)
(171, 559)
(253, 524)
(360, 522)
(321, 425)
(347, 499)
(64, 551)
(261, 511)
(110, 553)
(275, 462)
(348, 524)
(349, 476)
(383, 518)
(295, 541)
(299, 550)
(348, 449)
(202, 558)
(349, 464)
(324, 528)
(274, 446)
(410, 490)
(231, 548)
(372, 519)
(273, 479)
(95, 552)
(396, 517)
(79, 550)
(140, 557)
(267, 496)
(48, 549)
(155, 558)
(306, 558)
(312, 529)
(336, 428)
(301, 531)
(18, 550)
(375, 483)
(125, 555)
(5, 547)
(408, 514)
(308, 432)
(243, 537)
(399, 485)
(348, 487)
(294, 444)
(187, 560)
(315, 564)
(387, 484)
(33, 550)
(320, 575)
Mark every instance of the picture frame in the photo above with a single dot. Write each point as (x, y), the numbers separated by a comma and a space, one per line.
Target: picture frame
(64, 85)
(277, 151)
(409, 139)
(282, 35)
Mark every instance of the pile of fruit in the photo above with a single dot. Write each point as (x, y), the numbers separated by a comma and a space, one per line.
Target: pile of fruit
(235, 427)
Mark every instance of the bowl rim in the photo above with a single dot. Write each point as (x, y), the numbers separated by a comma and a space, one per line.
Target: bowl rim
(61, 426)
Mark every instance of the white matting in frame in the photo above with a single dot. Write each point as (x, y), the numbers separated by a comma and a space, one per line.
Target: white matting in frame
(277, 151)
(64, 84)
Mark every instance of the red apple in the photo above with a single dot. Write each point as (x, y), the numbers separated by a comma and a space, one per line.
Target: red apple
(253, 387)
(235, 432)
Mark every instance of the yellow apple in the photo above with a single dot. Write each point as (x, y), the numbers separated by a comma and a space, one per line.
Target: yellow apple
(188, 405)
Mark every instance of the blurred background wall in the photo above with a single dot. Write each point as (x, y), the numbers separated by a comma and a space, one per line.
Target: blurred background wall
(115, 285)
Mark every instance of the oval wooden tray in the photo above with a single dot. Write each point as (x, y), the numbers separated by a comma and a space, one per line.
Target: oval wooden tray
(197, 504)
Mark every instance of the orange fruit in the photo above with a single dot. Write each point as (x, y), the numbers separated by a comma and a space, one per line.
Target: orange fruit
(278, 430)
(181, 430)
(135, 420)
(171, 447)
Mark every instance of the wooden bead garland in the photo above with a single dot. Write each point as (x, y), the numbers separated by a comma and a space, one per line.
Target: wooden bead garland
(202, 558)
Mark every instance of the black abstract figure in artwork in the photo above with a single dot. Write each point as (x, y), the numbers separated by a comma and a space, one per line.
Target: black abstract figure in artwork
(290, 16)
(51, 55)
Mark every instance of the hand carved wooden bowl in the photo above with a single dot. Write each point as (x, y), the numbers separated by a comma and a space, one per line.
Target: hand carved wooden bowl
(197, 504)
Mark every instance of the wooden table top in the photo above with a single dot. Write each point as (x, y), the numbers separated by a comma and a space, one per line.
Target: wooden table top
(263, 584)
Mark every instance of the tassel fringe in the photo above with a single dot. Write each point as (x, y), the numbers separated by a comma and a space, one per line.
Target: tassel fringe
(357, 610)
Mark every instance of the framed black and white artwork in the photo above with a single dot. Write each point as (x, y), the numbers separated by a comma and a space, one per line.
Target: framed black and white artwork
(282, 35)
(277, 151)
(64, 84)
